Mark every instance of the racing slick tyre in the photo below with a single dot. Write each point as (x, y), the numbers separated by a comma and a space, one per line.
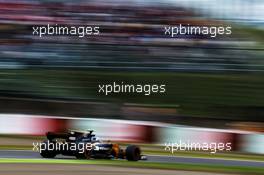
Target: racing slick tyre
(46, 150)
(85, 155)
(133, 153)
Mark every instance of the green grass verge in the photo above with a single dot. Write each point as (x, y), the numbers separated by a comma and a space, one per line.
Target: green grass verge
(122, 163)
(14, 147)
(231, 155)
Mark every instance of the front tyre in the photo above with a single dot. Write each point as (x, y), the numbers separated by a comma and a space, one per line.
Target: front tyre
(133, 153)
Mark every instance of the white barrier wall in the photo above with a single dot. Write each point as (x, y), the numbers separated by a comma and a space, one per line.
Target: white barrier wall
(193, 137)
(28, 124)
(197, 135)
(132, 131)
(253, 143)
(112, 129)
(116, 130)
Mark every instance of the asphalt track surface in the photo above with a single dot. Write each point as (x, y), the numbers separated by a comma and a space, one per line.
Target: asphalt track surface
(27, 154)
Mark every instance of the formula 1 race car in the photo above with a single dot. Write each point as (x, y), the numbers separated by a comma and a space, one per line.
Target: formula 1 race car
(84, 145)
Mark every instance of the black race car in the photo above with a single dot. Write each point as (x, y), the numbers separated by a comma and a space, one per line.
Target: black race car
(85, 145)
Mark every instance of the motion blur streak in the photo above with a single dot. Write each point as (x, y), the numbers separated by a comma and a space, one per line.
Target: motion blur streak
(131, 40)
(217, 77)
(214, 85)
(133, 131)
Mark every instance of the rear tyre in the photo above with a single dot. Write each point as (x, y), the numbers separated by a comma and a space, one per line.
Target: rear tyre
(133, 153)
(47, 150)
